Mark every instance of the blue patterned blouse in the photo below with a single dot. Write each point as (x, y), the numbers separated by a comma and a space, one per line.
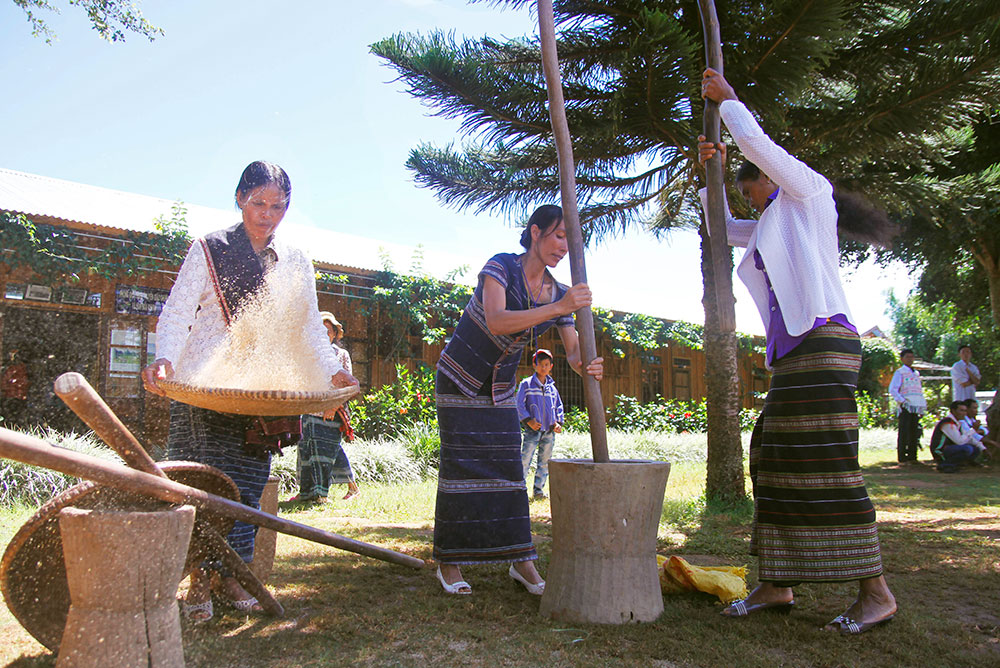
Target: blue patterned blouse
(474, 356)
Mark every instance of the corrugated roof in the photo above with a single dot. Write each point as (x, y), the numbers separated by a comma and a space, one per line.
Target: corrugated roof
(32, 194)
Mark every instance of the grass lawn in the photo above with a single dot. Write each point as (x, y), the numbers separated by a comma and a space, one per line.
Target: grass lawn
(940, 540)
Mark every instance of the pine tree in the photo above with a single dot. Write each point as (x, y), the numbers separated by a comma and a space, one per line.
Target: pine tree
(854, 87)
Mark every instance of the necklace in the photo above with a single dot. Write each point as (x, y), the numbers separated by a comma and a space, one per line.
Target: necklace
(532, 301)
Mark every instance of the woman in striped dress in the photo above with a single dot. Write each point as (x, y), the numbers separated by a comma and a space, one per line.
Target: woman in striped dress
(482, 502)
(813, 519)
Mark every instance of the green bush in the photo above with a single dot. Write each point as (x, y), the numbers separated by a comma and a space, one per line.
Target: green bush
(423, 441)
(665, 415)
(875, 412)
(391, 409)
(32, 485)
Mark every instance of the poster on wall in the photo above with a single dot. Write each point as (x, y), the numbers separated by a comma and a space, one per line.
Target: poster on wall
(125, 360)
(94, 299)
(138, 300)
(126, 337)
(74, 296)
(14, 291)
(40, 293)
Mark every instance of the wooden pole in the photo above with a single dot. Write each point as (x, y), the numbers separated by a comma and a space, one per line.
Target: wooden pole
(571, 218)
(33, 451)
(88, 405)
(716, 214)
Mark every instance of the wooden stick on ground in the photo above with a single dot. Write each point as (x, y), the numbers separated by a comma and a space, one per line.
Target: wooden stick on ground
(571, 218)
(36, 452)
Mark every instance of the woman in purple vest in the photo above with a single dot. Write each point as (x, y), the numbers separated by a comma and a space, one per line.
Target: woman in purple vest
(482, 502)
(813, 519)
(221, 271)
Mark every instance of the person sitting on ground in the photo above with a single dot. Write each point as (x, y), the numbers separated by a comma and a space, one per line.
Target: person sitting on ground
(950, 447)
(980, 434)
(540, 409)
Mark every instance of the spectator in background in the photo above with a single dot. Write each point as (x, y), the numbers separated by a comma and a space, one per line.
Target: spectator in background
(979, 433)
(908, 393)
(964, 375)
(950, 447)
(540, 409)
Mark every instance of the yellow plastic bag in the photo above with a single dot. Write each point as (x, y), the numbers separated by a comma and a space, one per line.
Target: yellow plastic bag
(728, 583)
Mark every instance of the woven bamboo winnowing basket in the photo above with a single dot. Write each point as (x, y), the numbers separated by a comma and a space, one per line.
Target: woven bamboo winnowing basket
(257, 402)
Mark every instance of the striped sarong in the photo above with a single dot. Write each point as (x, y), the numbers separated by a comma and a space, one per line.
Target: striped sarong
(321, 460)
(482, 502)
(204, 436)
(813, 520)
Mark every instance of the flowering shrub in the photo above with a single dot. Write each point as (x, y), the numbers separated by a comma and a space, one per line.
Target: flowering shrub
(394, 408)
(666, 415)
(875, 412)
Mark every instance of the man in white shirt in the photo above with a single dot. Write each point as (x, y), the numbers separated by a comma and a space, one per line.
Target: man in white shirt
(952, 447)
(908, 393)
(964, 375)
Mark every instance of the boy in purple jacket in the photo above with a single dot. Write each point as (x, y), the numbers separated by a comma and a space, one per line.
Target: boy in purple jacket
(540, 410)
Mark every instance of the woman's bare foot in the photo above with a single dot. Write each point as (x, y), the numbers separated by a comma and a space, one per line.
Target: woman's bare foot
(875, 603)
(765, 596)
(450, 575)
(352, 490)
(198, 601)
(230, 589)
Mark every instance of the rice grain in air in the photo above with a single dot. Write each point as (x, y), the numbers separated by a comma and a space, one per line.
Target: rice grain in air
(267, 347)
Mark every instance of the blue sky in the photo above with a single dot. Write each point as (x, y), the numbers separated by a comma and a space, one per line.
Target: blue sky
(294, 83)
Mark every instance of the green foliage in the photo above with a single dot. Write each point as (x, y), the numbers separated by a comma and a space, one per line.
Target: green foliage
(935, 330)
(416, 304)
(423, 441)
(58, 254)
(390, 410)
(878, 356)
(21, 484)
(875, 411)
(661, 415)
(110, 18)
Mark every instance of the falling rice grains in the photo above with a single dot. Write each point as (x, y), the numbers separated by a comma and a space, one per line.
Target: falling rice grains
(267, 347)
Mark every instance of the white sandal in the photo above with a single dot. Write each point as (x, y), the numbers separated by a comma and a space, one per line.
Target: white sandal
(193, 611)
(461, 587)
(533, 588)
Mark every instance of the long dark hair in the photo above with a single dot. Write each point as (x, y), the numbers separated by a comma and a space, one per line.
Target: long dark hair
(261, 173)
(545, 217)
(857, 218)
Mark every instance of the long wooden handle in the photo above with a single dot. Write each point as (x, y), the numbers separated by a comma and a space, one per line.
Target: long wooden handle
(88, 405)
(36, 452)
(722, 273)
(571, 218)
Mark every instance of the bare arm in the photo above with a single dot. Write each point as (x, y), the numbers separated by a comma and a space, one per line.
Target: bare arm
(571, 341)
(502, 322)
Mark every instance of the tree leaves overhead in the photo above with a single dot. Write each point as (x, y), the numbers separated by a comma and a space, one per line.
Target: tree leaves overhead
(861, 90)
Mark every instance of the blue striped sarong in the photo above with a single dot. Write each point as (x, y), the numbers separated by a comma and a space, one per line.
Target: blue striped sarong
(482, 502)
(204, 436)
(321, 459)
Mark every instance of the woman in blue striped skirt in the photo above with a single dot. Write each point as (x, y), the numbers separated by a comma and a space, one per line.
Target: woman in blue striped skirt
(813, 520)
(482, 502)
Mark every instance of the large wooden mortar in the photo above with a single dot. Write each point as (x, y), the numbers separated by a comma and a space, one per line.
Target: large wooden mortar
(123, 570)
(604, 523)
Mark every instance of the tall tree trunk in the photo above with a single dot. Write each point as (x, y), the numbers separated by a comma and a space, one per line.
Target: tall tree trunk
(724, 481)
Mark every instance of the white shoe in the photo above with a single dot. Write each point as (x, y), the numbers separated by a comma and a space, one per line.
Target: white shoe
(461, 587)
(533, 588)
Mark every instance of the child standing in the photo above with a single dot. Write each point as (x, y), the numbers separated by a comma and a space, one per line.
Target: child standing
(540, 409)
